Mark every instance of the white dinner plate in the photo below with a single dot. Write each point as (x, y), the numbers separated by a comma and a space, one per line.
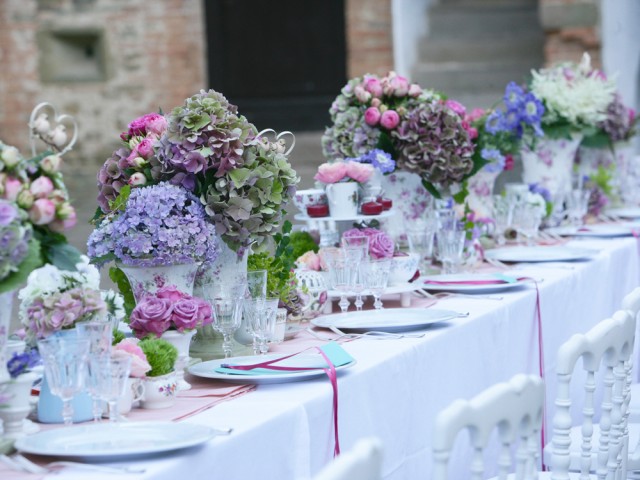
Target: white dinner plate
(208, 369)
(385, 320)
(625, 212)
(539, 254)
(600, 230)
(458, 282)
(124, 439)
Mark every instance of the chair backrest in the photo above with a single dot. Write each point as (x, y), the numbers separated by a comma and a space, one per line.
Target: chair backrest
(362, 462)
(514, 408)
(609, 344)
(631, 302)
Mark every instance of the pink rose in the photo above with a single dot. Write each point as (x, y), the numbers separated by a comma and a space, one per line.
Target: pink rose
(185, 314)
(309, 260)
(331, 172)
(156, 124)
(475, 114)
(415, 90)
(361, 94)
(205, 313)
(139, 363)
(456, 107)
(372, 116)
(145, 148)
(381, 246)
(12, 187)
(60, 225)
(171, 293)
(151, 315)
(42, 212)
(137, 179)
(373, 85)
(360, 172)
(41, 187)
(390, 119)
(398, 86)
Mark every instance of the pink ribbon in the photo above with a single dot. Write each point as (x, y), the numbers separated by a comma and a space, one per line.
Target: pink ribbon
(330, 371)
(541, 369)
(473, 282)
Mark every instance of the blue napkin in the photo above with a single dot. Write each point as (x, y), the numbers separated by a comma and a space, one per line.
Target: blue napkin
(332, 350)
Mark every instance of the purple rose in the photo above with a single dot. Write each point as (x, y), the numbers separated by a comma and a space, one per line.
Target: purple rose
(185, 314)
(381, 246)
(151, 315)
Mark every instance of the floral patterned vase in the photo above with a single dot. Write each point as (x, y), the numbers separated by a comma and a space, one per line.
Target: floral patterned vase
(146, 280)
(159, 392)
(181, 341)
(14, 413)
(207, 343)
(6, 302)
(480, 188)
(551, 162)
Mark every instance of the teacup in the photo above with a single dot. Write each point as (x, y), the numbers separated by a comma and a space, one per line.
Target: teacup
(403, 268)
(159, 392)
(312, 196)
(133, 392)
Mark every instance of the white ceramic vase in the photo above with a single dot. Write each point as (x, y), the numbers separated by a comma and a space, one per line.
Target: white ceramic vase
(342, 199)
(14, 412)
(550, 163)
(480, 188)
(180, 340)
(145, 280)
(159, 392)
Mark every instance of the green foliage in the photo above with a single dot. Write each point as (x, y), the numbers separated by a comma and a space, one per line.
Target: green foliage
(281, 280)
(603, 179)
(118, 277)
(160, 354)
(120, 202)
(301, 243)
(54, 249)
(32, 261)
(599, 139)
(118, 336)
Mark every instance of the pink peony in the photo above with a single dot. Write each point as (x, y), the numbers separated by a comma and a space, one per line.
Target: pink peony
(156, 124)
(475, 114)
(42, 212)
(151, 315)
(415, 90)
(398, 86)
(61, 224)
(372, 116)
(360, 172)
(41, 187)
(456, 107)
(331, 172)
(170, 292)
(145, 148)
(139, 363)
(373, 85)
(309, 260)
(361, 94)
(390, 119)
(51, 163)
(12, 187)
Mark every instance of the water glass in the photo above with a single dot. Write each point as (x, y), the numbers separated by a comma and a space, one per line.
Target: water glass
(420, 235)
(377, 276)
(577, 202)
(226, 306)
(356, 250)
(502, 217)
(113, 380)
(526, 220)
(257, 284)
(64, 359)
(342, 274)
(450, 248)
(261, 318)
(99, 334)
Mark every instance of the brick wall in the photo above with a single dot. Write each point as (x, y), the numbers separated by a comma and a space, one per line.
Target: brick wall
(154, 57)
(571, 28)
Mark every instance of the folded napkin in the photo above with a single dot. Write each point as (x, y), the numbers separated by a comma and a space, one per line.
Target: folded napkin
(499, 279)
(295, 363)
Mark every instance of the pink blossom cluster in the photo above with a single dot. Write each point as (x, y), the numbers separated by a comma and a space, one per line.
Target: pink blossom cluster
(41, 193)
(382, 94)
(344, 171)
(169, 308)
(139, 363)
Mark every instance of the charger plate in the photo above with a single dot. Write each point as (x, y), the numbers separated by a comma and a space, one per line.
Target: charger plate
(385, 320)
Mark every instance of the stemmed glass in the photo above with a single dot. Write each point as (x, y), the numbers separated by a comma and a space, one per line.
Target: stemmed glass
(450, 247)
(261, 321)
(226, 305)
(377, 277)
(113, 381)
(356, 249)
(342, 272)
(502, 217)
(526, 220)
(64, 365)
(420, 235)
(99, 334)
(577, 206)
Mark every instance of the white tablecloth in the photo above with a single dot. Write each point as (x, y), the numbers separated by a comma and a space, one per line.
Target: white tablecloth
(398, 386)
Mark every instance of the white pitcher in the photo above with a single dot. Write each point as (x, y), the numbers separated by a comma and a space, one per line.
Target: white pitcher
(343, 199)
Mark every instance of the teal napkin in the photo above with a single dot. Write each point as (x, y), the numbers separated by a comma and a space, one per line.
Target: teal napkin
(332, 350)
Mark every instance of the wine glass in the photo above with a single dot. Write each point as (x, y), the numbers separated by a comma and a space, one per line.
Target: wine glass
(342, 271)
(257, 284)
(226, 305)
(577, 206)
(420, 234)
(450, 247)
(113, 380)
(99, 334)
(377, 275)
(526, 221)
(261, 316)
(64, 360)
(356, 249)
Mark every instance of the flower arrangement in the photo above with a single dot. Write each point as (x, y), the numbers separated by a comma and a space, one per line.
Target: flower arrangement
(20, 363)
(55, 299)
(161, 224)
(380, 160)
(344, 172)
(168, 309)
(418, 129)
(160, 354)
(130, 347)
(575, 97)
(380, 244)
(19, 252)
(243, 179)
(619, 125)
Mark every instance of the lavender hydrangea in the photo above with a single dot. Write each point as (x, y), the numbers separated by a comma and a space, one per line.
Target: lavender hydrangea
(161, 224)
(380, 159)
(205, 134)
(15, 234)
(432, 142)
(349, 137)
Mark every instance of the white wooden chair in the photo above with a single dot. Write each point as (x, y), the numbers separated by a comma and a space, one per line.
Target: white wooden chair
(362, 462)
(631, 303)
(513, 408)
(590, 447)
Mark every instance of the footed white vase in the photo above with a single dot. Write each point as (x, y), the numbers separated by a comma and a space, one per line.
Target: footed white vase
(480, 198)
(146, 280)
(6, 302)
(550, 163)
(181, 341)
(14, 412)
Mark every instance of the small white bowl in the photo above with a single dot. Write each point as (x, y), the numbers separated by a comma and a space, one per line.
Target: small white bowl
(403, 268)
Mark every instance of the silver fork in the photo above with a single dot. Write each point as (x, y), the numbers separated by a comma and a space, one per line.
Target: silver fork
(439, 295)
(31, 467)
(371, 334)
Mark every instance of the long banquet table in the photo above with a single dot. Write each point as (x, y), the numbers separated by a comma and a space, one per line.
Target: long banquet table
(398, 386)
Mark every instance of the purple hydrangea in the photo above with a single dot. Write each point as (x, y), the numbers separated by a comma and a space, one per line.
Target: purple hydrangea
(523, 113)
(380, 159)
(15, 234)
(162, 224)
(620, 121)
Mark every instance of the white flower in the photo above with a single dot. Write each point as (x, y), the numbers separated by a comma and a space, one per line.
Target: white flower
(115, 303)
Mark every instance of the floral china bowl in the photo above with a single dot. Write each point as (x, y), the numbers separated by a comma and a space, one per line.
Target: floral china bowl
(312, 196)
(403, 268)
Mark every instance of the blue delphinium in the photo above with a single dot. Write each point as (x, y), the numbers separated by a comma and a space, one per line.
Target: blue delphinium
(378, 158)
(160, 225)
(540, 190)
(495, 158)
(22, 362)
(523, 113)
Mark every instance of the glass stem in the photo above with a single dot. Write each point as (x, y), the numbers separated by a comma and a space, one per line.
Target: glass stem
(113, 410)
(378, 303)
(359, 302)
(227, 345)
(97, 409)
(344, 303)
(67, 411)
